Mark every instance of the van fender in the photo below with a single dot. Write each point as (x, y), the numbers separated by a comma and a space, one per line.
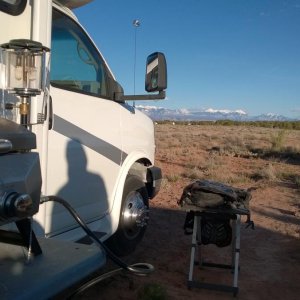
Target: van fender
(136, 163)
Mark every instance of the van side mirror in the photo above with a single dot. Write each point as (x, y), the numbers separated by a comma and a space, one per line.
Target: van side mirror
(155, 81)
(156, 73)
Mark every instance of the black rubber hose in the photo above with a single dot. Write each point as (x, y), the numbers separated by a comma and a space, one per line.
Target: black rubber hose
(97, 279)
(141, 269)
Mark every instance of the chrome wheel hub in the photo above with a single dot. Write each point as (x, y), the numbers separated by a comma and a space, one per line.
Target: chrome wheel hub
(135, 214)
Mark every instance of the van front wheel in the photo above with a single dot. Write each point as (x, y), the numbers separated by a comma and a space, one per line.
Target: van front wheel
(133, 217)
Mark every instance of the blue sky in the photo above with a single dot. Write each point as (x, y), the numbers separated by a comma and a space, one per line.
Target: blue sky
(221, 54)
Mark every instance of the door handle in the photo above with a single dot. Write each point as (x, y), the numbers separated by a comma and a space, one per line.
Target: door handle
(50, 124)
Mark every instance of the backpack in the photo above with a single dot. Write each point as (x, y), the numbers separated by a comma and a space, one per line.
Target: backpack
(203, 194)
(222, 201)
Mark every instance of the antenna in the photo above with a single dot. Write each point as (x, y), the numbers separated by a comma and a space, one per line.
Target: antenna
(136, 23)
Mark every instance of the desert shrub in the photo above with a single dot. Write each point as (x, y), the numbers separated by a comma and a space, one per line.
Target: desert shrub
(172, 144)
(226, 177)
(234, 146)
(212, 163)
(198, 162)
(291, 177)
(297, 181)
(152, 291)
(172, 177)
(192, 173)
(277, 140)
(165, 185)
(267, 173)
(214, 137)
(185, 151)
(241, 178)
(292, 151)
(176, 135)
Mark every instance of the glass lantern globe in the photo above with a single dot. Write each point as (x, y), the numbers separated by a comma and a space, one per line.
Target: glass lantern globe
(24, 64)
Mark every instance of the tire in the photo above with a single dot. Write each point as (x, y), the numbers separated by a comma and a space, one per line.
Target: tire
(133, 217)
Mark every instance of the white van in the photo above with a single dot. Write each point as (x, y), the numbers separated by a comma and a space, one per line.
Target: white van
(96, 151)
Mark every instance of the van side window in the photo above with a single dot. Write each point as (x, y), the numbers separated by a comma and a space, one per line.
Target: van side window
(76, 64)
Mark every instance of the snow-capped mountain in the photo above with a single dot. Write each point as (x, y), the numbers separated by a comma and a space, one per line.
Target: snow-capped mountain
(160, 113)
(270, 117)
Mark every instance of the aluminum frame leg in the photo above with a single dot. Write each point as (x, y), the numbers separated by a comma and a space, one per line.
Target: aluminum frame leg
(193, 250)
(237, 250)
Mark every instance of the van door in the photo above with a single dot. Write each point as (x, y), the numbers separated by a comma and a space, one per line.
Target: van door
(84, 152)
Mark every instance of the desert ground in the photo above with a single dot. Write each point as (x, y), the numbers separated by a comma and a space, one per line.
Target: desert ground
(264, 160)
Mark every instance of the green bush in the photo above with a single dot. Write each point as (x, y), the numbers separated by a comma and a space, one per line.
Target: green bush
(152, 291)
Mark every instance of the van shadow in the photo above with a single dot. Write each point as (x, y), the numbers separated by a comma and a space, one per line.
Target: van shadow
(84, 191)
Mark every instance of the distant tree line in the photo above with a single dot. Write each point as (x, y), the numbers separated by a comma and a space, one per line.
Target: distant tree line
(268, 124)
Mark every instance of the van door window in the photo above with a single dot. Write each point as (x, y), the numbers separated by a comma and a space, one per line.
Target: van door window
(76, 64)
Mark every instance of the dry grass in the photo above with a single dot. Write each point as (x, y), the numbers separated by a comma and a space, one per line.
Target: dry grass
(243, 156)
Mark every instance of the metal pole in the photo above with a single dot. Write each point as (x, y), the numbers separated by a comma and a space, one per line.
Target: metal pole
(136, 23)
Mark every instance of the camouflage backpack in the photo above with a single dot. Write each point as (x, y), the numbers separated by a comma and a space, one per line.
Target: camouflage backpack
(223, 200)
(212, 194)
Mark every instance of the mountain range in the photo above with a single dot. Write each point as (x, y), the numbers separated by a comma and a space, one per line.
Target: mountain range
(160, 113)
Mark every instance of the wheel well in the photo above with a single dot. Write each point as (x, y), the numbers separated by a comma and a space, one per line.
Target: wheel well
(150, 175)
(140, 169)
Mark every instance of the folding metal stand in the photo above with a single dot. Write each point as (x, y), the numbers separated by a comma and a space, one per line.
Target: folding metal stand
(196, 251)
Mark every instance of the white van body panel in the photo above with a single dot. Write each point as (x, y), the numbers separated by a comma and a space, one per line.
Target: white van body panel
(15, 28)
(134, 133)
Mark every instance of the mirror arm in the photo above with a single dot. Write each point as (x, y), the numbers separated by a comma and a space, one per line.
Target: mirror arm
(160, 95)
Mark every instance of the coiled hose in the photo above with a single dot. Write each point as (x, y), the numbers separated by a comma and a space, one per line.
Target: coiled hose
(140, 269)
